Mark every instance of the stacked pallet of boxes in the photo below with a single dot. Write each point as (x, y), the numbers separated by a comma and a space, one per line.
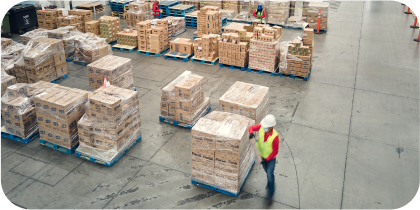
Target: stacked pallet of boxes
(109, 27)
(117, 70)
(278, 11)
(71, 20)
(10, 54)
(92, 27)
(176, 24)
(209, 21)
(67, 34)
(89, 48)
(48, 19)
(264, 50)
(28, 36)
(127, 37)
(296, 58)
(246, 99)
(241, 29)
(43, 59)
(6, 81)
(152, 39)
(138, 12)
(181, 45)
(183, 99)
(111, 123)
(229, 14)
(86, 16)
(221, 152)
(233, 51)
(313, 13)
(58, 109)
(18, 109)
(207, 47)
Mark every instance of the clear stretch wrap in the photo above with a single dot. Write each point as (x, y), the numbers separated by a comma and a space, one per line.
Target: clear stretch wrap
(207, 47)
(232, 50)
(278, 11)
(111, 123)
(67, 34)
(6, 81)
(139, 11)
(229, 13)
(89, 48)
(58, 109)
(246, 99)
(11, 52)
(296, 22)
(221, 152)
(18, 109)
(242, 16)
(295, 58)
(28, 36)
(264, 55)
(177, 23)
(313, 13)
(43, 59)
(183, 99)
(118, 71)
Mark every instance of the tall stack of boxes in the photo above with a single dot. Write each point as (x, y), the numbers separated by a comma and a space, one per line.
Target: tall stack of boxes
(111, 123)
(86, 16)
(278, 11)
(183, 99)
(58, 109)
(89, 48)
(10, 54)
(118, 71)
(6, 81)
(127, 37)
(71, 20)
(221, 152)
(92, 27)
(138, 12)
(67, 35)
(207, 47)
(109, 27)
(28, 36)
(209, 21)
(176, 24)
(48, 19)
(181, 45)
(265, 48)
(298, 59)
(313, 13)
(144, 29)
(246, 99)
(152, 39)
(233, 51)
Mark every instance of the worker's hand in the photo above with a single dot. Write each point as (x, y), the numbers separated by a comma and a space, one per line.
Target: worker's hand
(263, 160)
(251, 136)
(161, 10)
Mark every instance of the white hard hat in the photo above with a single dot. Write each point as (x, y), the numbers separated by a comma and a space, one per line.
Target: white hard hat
(268, 121)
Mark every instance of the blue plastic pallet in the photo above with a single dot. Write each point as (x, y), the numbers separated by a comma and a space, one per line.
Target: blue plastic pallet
(107, 163)
(189, 126)
(17, 138)
(151, 53)
(259, 71)
(167, 4)
(124, 49)
(292, 76)
(58, 147)
(240, 21)
(233, 67)
(195, 60)
(322, 30)
(60, 78)
(113, 42)
(80, 63)
(69, 59)
(173, 35)
(176, 56)
(221, 189)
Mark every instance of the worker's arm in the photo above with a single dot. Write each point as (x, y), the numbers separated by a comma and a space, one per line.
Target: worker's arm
(263, 15)
(254, 128)
(255, 14)
(156, 8)
(275, 146)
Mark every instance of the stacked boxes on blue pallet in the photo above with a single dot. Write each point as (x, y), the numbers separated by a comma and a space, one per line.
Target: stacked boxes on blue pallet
(313, 13)
(118, 5)
(10, 54)
(138, 11)
(58, 109)
(6, 81)
(109, 27)
(67, 34)
(180, 10)
(207, 47)
(278, 12)
(233, 52)
(209, 21)
(264, 51)
(89, 48)
(221, 153)
(183, 99)
(153, 39)
(118, 71)
(176, 25)
(111, 124)
(164, 6)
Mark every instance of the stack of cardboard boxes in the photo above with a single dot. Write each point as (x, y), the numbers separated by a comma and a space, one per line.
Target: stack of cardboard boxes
(85, 15)
(5, 42)
(109, 27)
(58, 109)
(246, 99)
(209, 21)
(298, 60)
(6, 81)
(138, 12)
(231, 5)
(92, 27)
(176, 25)
(265, 48)
(229, 14)
(111, 123)
(183, 99)
(89, 48)
(48, 19)
(67, 34)
(117, 71)
(207, 47)
(28, 36)
(233, 51)
(152, 39)
(181, 45)
(127, 37)
(10, 54)
(313, 13)
(221, 152)
(245, 31)
(71, 20)
(278, 12)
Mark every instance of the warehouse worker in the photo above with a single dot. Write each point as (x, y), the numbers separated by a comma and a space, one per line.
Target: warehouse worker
(259, 13)
(268, 147)
(156, 10)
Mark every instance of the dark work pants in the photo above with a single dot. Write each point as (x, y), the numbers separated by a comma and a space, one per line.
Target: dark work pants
(269, 169)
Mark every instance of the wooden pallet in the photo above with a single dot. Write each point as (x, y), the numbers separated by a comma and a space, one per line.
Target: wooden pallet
(124, 48)
(259, 71)
(178, 56)
(196, 60)
(189, 126)
(242, 68)
(26, 140)
(59, 78)
(152, 53)
(58, 147)
(293, 76)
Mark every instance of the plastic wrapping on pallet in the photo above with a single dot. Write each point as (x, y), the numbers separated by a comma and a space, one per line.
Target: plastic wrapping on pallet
(67, 34)
(117, 70)
(11, 52)
(177, 24)
(109, 27)
(246, 99)
(264, 50)
(207, 47)
(18, 109)
(313, 13)
(28, 36)
(296, 22)
(232, 51)
(242, 16)
(278, 11)
(111, 123)
(58, 109)
(139, 11)
(89, 48)
(6, 81)
(229, 13)
(183, 99)
(296, 57)
(221, 152)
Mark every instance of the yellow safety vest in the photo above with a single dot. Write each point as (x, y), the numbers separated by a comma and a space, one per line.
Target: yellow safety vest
(266, 148)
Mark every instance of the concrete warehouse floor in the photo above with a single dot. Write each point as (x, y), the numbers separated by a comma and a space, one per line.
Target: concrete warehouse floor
(350, 135)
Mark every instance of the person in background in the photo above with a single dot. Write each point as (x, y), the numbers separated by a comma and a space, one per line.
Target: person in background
(259, 13)
(268, 147)
(71, 5)
(156, 10)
